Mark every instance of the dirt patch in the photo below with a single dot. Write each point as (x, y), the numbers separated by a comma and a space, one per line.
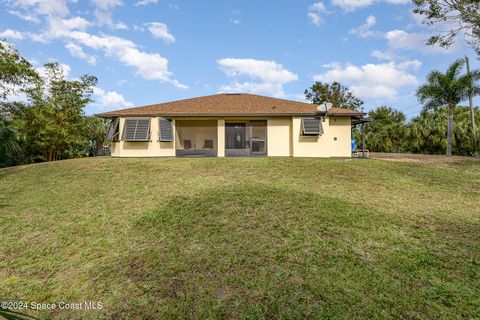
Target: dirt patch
(419, 158)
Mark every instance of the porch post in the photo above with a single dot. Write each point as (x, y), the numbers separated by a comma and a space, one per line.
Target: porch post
(363, 140)
(221, 138)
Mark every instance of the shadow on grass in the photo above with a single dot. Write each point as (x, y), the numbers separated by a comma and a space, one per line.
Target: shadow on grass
(260, 252)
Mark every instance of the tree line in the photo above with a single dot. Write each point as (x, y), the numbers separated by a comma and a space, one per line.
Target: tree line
(442, 127)
(45, 120)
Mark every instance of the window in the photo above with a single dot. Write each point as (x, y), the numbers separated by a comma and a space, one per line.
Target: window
(166, 130)
(136, 130)
(311, 126)
(113, 131)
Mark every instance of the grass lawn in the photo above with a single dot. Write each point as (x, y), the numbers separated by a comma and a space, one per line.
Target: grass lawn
(243, 238)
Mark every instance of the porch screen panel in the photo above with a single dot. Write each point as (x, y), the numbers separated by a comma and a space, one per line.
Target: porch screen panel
(235, 136)
(112, 133)
(312, 126)
(136, 130)
(166, 130)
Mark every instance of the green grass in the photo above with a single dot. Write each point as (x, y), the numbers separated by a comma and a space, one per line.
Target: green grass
(243, 238)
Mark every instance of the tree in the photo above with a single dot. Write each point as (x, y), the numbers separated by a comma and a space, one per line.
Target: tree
(387, 130)
(52, 121)
(15, 71)
(95, 133)
(335, 93)
(427, 131)
(9, 143)
(448, 89)
(458, 16)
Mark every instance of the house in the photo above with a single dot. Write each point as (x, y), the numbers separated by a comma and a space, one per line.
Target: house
(231, 125)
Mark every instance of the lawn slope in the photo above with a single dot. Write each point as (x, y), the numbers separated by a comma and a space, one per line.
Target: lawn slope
(243, 238)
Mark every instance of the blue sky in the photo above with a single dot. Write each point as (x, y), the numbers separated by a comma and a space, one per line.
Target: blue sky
(150, 51)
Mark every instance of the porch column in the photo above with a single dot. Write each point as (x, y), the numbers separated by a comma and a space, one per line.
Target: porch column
(221, 138)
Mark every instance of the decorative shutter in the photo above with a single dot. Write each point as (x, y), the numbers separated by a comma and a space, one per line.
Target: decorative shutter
(311, 126)
(136, 130)
(166, 130)
(112, 129)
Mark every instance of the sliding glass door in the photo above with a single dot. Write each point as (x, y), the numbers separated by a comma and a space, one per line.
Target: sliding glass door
(235, 136)
(247, 138)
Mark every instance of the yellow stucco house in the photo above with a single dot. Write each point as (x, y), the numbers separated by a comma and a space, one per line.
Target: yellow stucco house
(229, 125)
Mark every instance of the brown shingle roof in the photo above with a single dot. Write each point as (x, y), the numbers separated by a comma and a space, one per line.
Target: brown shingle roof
(240, 104)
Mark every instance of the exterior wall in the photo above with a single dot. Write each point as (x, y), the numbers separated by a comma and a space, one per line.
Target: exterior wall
(283, 139)
(154, 148)
(324, 145)
(279, 137)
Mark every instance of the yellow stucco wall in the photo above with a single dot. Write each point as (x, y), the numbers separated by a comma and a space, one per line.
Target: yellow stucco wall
(221, 137)
(154, 148)
(279, 137)
(324, 145)
(283, 139)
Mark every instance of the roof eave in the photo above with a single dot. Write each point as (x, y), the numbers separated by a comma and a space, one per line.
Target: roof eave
(115, 115)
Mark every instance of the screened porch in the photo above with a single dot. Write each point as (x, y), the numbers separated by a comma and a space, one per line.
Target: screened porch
(196, 138)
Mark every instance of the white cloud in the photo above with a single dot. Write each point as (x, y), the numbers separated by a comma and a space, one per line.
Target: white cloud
(398, 1)
(76, 23)
(77, 51)
(400, 39)
(145, 2)
(103, 11)
(11, 34)
(383, 55)
(351, 5)
(109, 99)
(373, 80)
(271, 75)
(59, 28)
(315, 12)
(160, 31)
(24, 16)
(150, 66)
(43, 7)
(365, 30)
(120, 26)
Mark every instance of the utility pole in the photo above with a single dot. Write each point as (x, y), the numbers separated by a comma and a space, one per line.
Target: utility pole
(472, 114)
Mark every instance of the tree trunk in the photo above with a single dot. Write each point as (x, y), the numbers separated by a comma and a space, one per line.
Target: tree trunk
(450, 131)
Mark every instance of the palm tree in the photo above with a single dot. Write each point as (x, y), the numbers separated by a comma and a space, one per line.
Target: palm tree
(448, 90)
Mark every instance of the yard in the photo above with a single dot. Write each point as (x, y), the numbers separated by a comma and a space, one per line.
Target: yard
(243, 238)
